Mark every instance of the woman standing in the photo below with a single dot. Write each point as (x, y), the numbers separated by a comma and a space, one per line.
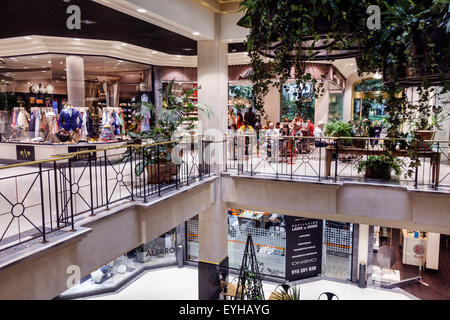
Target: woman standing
(239, 120)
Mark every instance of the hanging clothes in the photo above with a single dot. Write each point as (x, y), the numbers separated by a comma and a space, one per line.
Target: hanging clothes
(22, 120)
(70, 119)
(32, 121)
(84, 130)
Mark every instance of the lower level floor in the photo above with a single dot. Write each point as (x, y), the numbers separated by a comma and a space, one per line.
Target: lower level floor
(172, 283)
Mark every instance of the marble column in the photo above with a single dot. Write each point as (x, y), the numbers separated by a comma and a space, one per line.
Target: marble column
(213, 232)
(75, 81)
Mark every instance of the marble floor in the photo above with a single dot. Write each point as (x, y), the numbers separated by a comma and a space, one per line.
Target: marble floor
(181, 284)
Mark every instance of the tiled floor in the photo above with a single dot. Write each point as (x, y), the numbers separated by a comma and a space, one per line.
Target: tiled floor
(181, 284)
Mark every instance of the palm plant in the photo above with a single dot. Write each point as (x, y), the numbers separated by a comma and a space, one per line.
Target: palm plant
(173, 120)
(284, 292)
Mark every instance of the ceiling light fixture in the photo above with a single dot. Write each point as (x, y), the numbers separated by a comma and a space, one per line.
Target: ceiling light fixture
(28, 38)
(123, 44)
(154, 52)
(196, 33)
(76, 39)
(141, 10)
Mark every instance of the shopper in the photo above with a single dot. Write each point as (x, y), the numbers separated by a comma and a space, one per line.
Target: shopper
(310, 127)
(231, 118)
(246, 128)
(318, 133)
(239, 120)
(297, 120)
(297, 132)
(232, 142)
(270, 133)
(284, 133)
(250, 116)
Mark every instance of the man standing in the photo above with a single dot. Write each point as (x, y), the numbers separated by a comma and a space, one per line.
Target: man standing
(250, 116)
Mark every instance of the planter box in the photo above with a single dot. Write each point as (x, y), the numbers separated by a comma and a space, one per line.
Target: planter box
(424, 135)
(166, 172)
(383, 173)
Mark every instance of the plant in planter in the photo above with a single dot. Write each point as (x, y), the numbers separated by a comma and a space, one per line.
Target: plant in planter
(339, 129)
(379, 167)
(172, 122)
(287, 293)
(361, 129)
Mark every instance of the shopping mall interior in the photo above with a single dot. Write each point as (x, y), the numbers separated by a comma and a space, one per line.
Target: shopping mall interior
(177, 150)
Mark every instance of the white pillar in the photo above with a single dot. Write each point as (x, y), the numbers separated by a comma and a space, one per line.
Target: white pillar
(213, 232)
(272, 105)
(75, 81)
(363, 246)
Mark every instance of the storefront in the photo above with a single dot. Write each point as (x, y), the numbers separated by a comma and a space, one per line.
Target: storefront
(53, 103)
(290, 248)
(160, 252)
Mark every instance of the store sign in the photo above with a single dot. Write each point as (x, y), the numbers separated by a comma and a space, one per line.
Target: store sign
(303, 247)
(159, 252)
(84, 156)
(25, 153)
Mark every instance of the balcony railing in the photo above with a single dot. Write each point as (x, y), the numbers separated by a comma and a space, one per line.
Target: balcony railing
(422, 164)
(42, 197)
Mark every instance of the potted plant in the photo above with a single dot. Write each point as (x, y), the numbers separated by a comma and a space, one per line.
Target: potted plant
(339, 129)
(361, 129)
(173, 120)
(379, 167)
(285, 292)
(141, 254)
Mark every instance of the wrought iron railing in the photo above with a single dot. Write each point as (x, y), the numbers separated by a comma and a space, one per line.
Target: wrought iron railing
(421, 164)
(41, 197)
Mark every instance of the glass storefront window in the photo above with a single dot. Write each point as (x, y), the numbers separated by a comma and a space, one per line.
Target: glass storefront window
(336, 106)
(269, 236)
(158, 252)
(365, 104)
(37, 87)
(289, 97)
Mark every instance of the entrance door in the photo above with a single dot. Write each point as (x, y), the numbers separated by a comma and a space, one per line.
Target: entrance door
(337, 250)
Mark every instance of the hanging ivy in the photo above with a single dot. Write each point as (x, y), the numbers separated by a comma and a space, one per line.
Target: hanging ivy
(410, 49)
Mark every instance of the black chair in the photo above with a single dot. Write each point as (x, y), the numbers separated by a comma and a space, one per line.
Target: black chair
(329, 295)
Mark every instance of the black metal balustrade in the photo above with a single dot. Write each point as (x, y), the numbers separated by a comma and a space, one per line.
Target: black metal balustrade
(41, 197)
(338, 158)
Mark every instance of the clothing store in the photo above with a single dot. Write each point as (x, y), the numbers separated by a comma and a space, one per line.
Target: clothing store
(53, 104)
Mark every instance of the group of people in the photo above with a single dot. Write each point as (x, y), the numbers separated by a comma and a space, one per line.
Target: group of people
(284, 131)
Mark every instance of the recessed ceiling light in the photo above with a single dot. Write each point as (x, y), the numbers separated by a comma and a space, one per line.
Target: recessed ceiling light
(123, 44)
(196, 33)
(28, 38)
(34, 57)
(154, 52)
(88, 22)
(43, 71)
(76, 39)
(141, 10)
(25, 67)
(49, 61)
(178, 56)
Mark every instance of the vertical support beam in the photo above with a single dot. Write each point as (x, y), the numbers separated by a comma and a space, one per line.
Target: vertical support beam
(180, 243)
(213, 223)
(75, 81)
(355, 246)
(363, 246)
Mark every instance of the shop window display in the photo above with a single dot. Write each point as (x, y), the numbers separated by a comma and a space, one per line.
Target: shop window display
(34, 99)
(158, 252)
(289, 98)
(336, 107)
(365, 100)
(269, 234)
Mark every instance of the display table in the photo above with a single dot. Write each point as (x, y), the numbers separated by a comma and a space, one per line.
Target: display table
(12, 152)
(360, 152)
(414, 249)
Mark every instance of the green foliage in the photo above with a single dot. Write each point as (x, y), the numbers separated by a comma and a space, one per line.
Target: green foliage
(362, 127)
(338, 129)
(172, 121)
(385, 162)
(291, 293)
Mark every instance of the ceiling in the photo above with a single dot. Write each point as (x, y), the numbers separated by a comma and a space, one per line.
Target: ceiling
(220, 6)
(48, 18)
(53, 67)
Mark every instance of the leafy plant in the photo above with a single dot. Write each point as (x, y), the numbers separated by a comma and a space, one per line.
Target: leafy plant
(287, 293)
(339, 129)
(362, 127)
(385, 163)
(172, 121)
